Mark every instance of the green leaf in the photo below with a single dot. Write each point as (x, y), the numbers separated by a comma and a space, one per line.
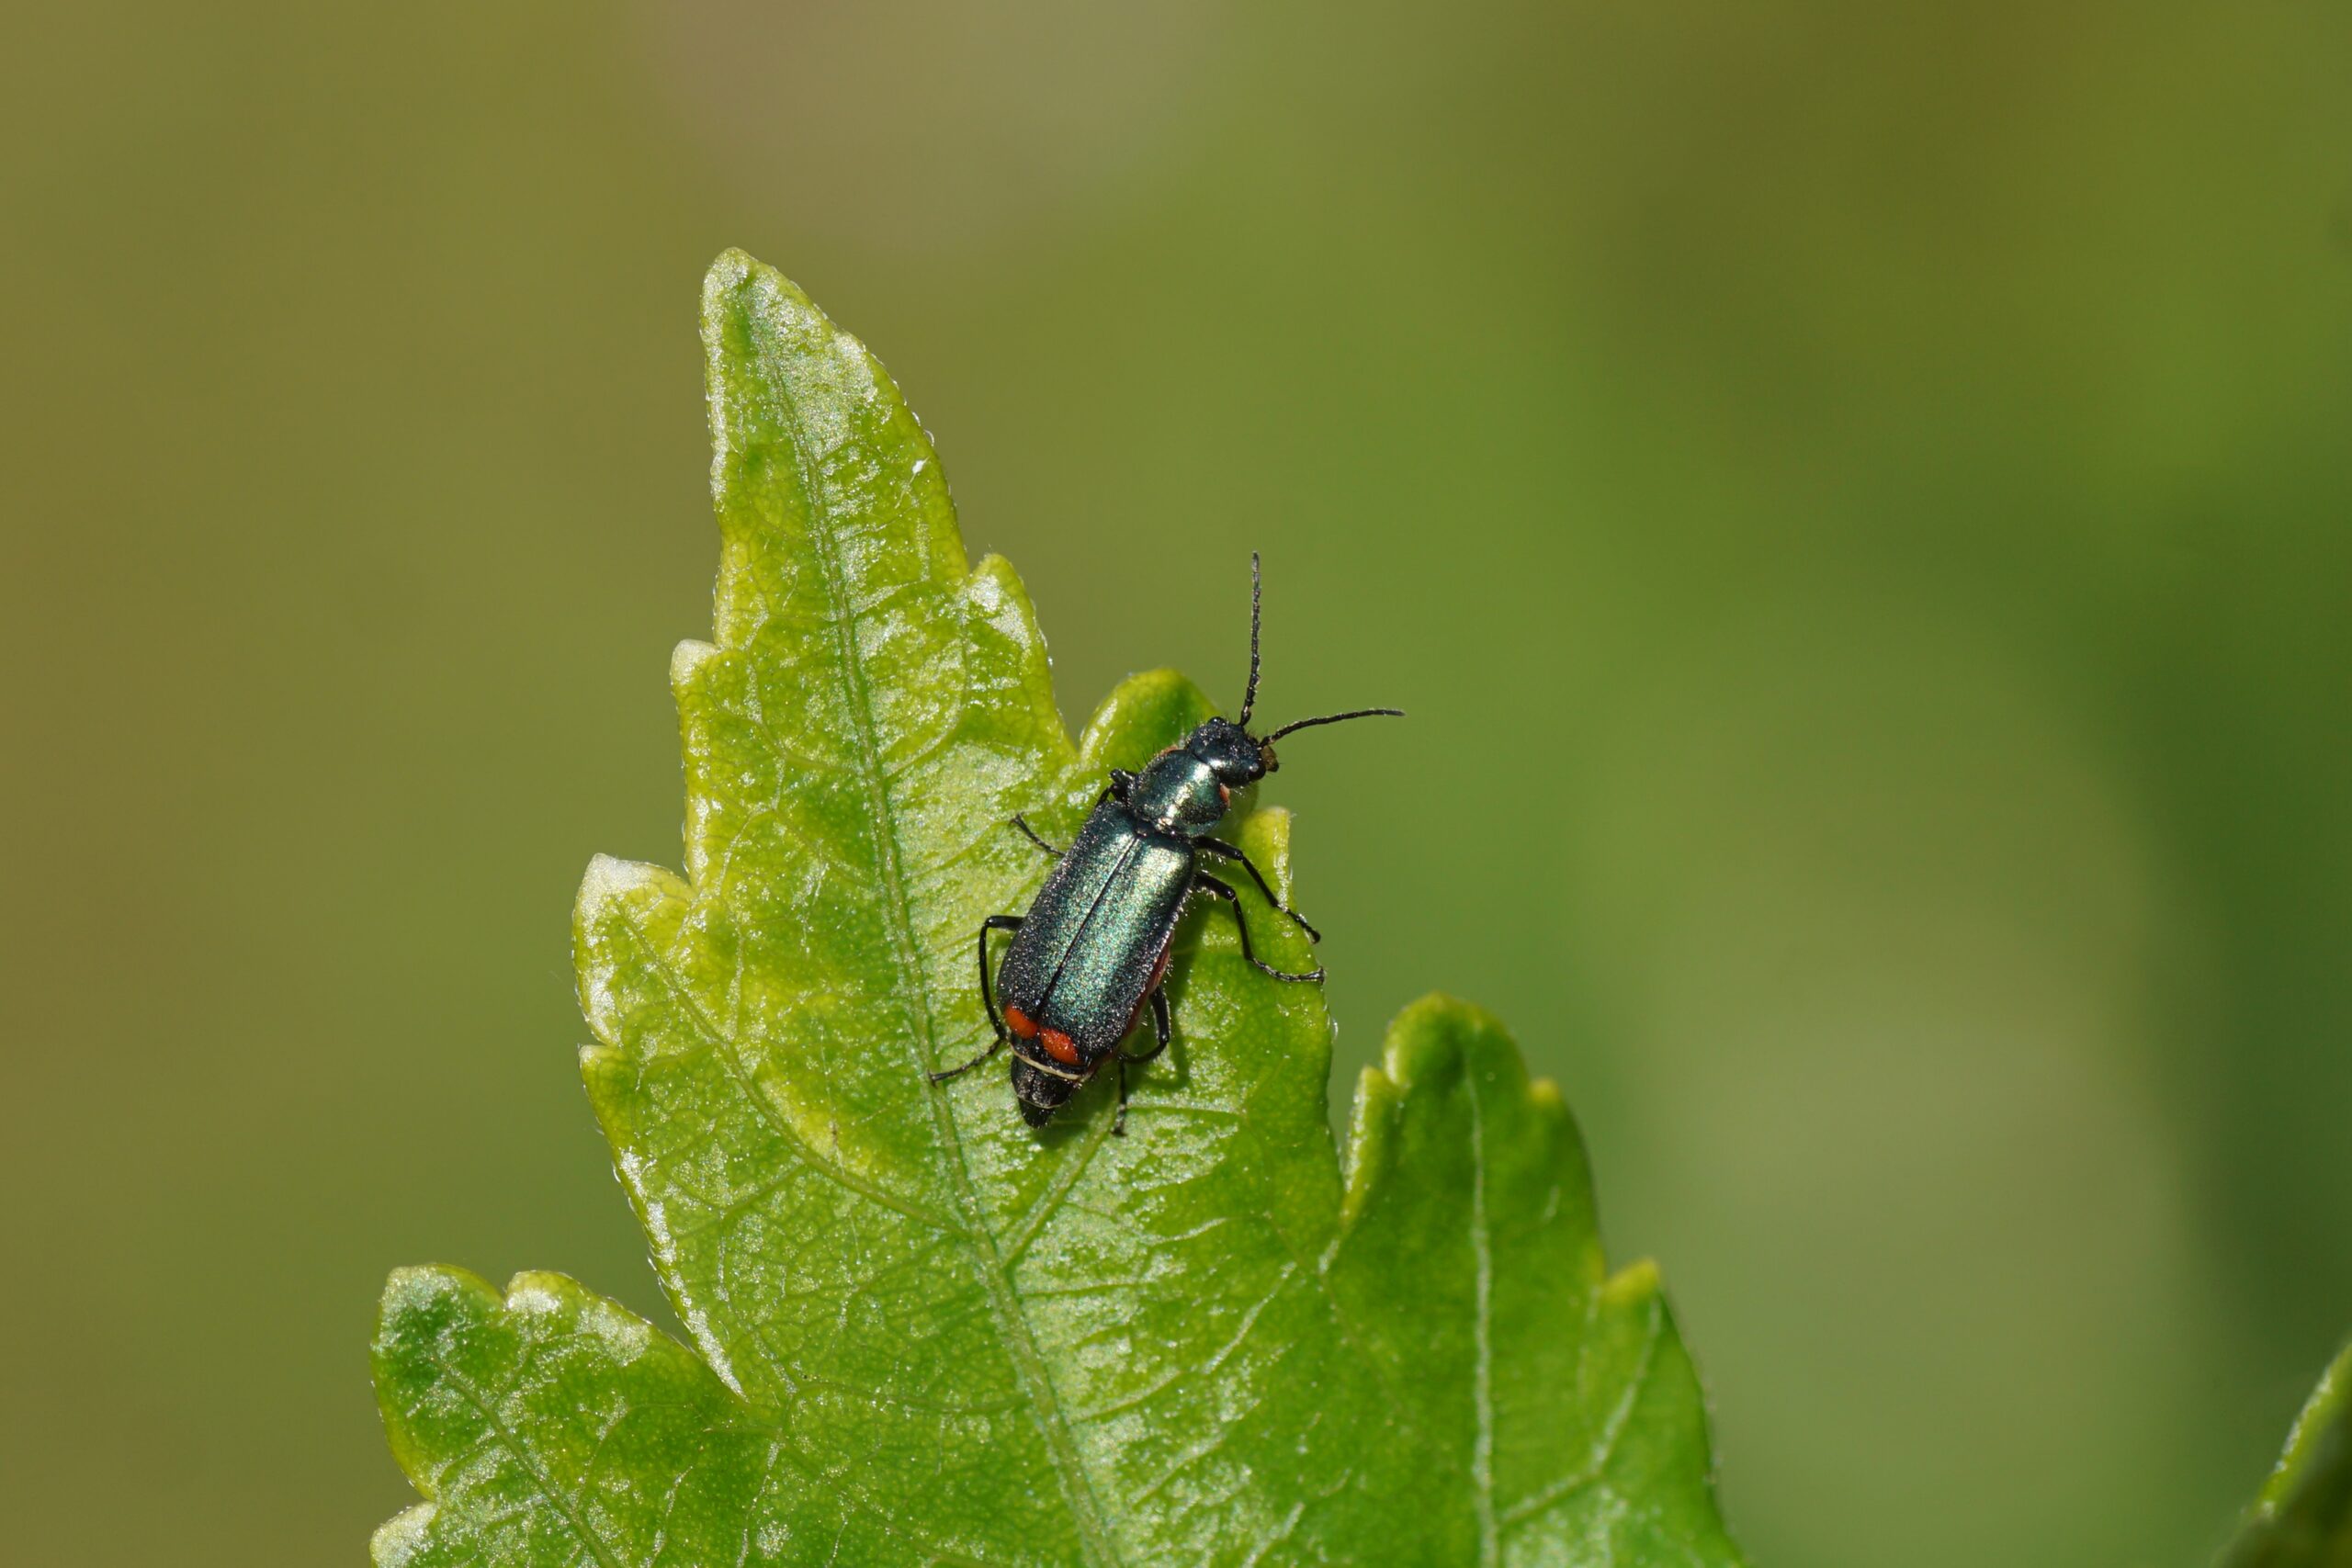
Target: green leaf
(920, 1331)
(2303, 1516)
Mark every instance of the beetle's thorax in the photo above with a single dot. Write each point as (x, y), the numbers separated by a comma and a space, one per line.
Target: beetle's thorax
(1187, 788)
(1178, 792)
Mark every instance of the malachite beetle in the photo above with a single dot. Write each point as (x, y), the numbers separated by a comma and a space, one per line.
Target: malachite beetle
(1092, 954)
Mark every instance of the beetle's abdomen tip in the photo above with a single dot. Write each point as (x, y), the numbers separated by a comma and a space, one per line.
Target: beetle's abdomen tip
(1037, 1091)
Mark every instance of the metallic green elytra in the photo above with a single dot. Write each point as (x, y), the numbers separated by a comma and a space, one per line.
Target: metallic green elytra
(1092, 954)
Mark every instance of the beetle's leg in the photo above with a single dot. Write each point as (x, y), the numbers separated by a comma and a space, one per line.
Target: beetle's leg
(1117, 791)
(1204, 883)
(1161, 1027)
(987, 993)
(987, 999)
(980, 1060)
(1030, 834)
(1233, 851)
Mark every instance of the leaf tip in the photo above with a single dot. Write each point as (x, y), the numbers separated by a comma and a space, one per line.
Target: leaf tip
(1635, 1283)
(427, 1296)
(564, 1303)
(1543, 1097)
(994, 584)
(689, 657)
(537, 1291)
(610, 886)
(1432, 1033)
(609, 876)
(401, 1539)
(424, 1310)
(733, 267)
(739, 287)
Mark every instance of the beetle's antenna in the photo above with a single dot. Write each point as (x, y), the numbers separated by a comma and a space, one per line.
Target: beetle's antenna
(1249, 697)
(1334, 718)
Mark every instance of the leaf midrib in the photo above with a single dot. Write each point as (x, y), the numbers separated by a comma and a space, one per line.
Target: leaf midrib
(914, 1000)
(1482, 1453)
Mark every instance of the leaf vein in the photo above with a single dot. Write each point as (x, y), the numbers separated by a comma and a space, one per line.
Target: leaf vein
(724, 1046)
(562, 1502)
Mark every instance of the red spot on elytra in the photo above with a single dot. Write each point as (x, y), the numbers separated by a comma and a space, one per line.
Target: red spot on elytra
(1060, 1048)
(1021, 1023)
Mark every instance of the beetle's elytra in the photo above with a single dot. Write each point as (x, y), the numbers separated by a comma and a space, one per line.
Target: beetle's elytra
(1092, 954)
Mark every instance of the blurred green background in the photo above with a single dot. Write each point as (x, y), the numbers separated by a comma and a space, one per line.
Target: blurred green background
(1855, 497)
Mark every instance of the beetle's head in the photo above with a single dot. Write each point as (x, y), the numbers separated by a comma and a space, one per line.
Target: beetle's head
(1237, 757)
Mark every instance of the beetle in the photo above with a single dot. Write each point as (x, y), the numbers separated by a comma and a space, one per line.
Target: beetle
(1092, 954)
